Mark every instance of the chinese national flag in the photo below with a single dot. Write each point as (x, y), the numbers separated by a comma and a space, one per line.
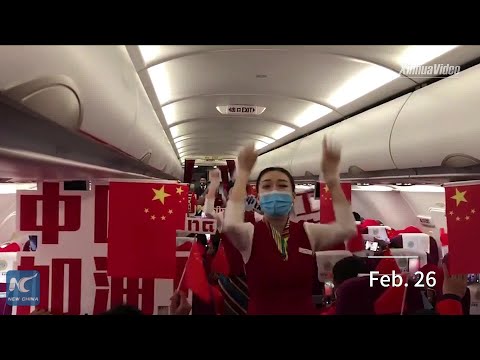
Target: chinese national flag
(143, 219)
(463, 224)
(327, 214)
(195, 277)
(220, 262)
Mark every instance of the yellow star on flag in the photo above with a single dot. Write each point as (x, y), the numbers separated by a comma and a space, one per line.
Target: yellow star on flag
(146, 210)
(326, 188)
(160, 194)
(451, 212)
(170, 212)
(163, 217)
(459, 196)
(472, 211)
(179, 190)
(153, 217)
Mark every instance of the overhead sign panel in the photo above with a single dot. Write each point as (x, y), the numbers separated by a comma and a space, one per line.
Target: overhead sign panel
(240, 109)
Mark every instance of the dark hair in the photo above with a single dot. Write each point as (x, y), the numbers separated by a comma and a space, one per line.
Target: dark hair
(202, 239)
(279, 169)
(215, 240)
(357, 216)
(348, 268)
(426, 312)
(124, 309)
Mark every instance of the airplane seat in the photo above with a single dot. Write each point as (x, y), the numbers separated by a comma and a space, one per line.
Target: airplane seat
(326, 260)
(357, 297)
(433, 257)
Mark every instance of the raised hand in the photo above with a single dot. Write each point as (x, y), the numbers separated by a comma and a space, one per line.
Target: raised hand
(330, 161)
(454, 284)
(215, 177)
(179, 304)
(247, 158)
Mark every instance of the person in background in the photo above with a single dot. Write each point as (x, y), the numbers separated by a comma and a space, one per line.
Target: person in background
(279, 253)
(179, 305)
(234, 286)
(454, 289)
(192, 200)
(201, 188)
(347, 268)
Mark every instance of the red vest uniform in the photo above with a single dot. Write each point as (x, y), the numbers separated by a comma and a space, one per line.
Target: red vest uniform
(279, 287)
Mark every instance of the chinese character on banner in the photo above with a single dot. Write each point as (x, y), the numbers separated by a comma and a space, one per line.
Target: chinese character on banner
(303, 208)
(50, 202)
(71, 259)
(121, 293)
(52, 296)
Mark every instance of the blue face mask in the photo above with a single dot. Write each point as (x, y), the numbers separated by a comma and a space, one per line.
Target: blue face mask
(276, 203)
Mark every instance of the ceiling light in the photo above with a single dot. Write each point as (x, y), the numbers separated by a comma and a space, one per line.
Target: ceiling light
(215, 167)
(259, 145)
(376, 76)
(282, 131)
(175, 131)
(312, 113)
(421, 188)
(149, 52)
(372, 188)
(195, 166)
(161, 83)
(169, 113)
(421, 54)
(364, 82)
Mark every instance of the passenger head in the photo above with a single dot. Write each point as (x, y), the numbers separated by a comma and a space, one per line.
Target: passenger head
(348, 268)
(276, 191)
(357, 216)
(203, 181)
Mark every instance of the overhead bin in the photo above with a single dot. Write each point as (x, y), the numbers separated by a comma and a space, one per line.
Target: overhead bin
(439, 124)
(308, 153)
(92, 89)
(365, 138)
(280, 157)
(148, 140)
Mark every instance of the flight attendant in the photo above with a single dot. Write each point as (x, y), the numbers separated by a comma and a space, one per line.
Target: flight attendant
(278, 253)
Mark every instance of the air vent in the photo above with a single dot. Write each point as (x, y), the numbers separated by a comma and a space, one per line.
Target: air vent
(54, 97)
(460, 161)
(146, 158)
(356, 171)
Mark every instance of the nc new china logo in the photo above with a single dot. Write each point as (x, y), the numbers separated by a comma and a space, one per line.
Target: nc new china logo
(23, 287)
